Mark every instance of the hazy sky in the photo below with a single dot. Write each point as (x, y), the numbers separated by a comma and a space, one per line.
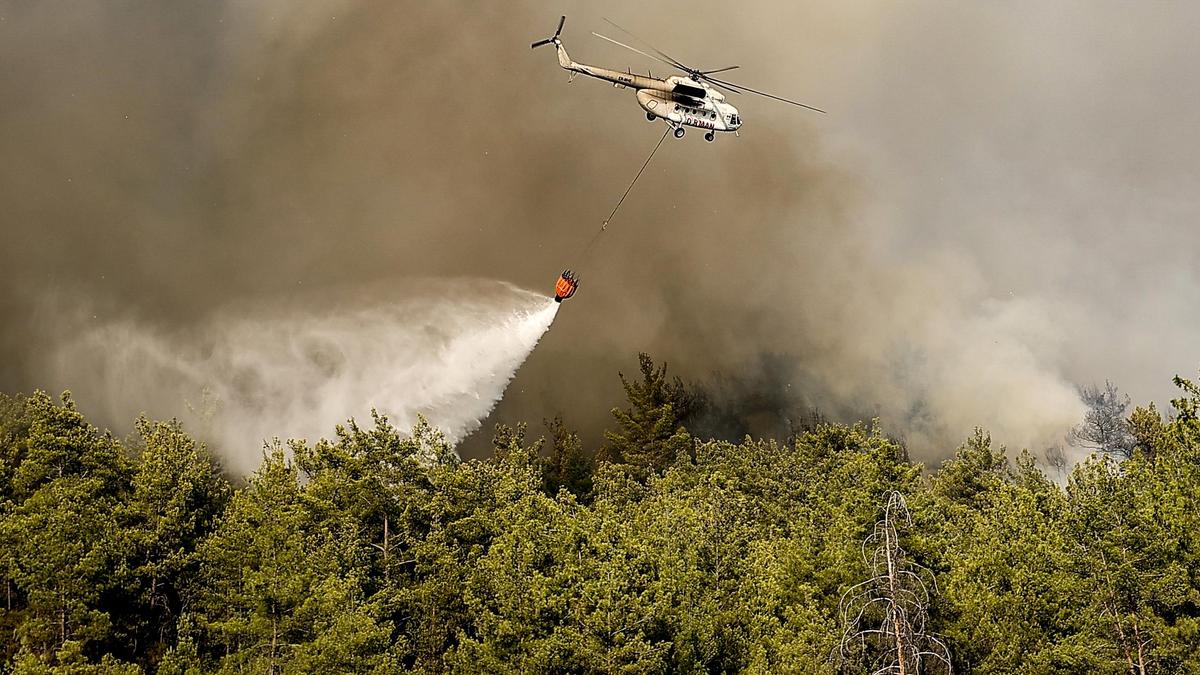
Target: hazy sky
(1000, 204)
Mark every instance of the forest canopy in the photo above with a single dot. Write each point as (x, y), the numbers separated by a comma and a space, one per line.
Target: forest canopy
(379, 550)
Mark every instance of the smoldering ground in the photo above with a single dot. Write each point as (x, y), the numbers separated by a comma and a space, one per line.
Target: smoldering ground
(999, 205)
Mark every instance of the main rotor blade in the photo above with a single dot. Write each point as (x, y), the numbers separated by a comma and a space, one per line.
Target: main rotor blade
(763, 93)
(561, 21)
(727, 87)
(672, 60)
(634, 49)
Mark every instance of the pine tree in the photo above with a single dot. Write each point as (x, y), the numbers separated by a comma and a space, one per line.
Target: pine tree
(1147, 428)
(261, 567)
(177, 495)
(650, 435)
(370, 484)
(61, 443)
(58, 536)
(14, 431)
(568, 465)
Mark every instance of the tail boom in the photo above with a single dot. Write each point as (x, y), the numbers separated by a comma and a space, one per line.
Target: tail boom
(615, 76)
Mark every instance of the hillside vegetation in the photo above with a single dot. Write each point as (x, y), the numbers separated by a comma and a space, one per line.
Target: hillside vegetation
(380, 551)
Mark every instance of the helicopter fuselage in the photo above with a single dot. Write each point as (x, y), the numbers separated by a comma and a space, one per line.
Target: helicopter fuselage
(691, 100)
(704, 113)
(680, 101)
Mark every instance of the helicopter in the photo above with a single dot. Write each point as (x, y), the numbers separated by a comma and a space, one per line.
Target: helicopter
(691, 100)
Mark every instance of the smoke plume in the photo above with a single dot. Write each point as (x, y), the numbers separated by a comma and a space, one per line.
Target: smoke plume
(1001, 202)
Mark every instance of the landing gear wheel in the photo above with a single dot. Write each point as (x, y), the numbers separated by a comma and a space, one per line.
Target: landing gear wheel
(710, 137)
(679, 132)
(650, 117)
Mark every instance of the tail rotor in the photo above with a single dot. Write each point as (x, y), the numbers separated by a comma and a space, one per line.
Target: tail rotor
(552, 39)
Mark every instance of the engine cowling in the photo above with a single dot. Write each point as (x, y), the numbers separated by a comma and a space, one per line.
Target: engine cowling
(658, 104)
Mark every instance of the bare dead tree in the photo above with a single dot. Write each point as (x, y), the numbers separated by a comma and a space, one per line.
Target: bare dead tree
(884, 617)
(1104, 427)
(1056, 457)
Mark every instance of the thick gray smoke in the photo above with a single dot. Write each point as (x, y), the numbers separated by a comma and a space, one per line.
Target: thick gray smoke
(1000, 204)
(445, 350)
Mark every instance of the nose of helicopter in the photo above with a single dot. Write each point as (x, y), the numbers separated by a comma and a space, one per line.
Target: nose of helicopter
(735, 120)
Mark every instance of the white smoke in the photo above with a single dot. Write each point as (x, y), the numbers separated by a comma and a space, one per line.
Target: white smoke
(447, 350)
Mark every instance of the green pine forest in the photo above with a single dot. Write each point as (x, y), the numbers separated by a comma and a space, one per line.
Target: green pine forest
(658, 551)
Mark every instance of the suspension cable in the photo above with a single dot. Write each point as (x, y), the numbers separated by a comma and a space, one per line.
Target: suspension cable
(604, 225)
